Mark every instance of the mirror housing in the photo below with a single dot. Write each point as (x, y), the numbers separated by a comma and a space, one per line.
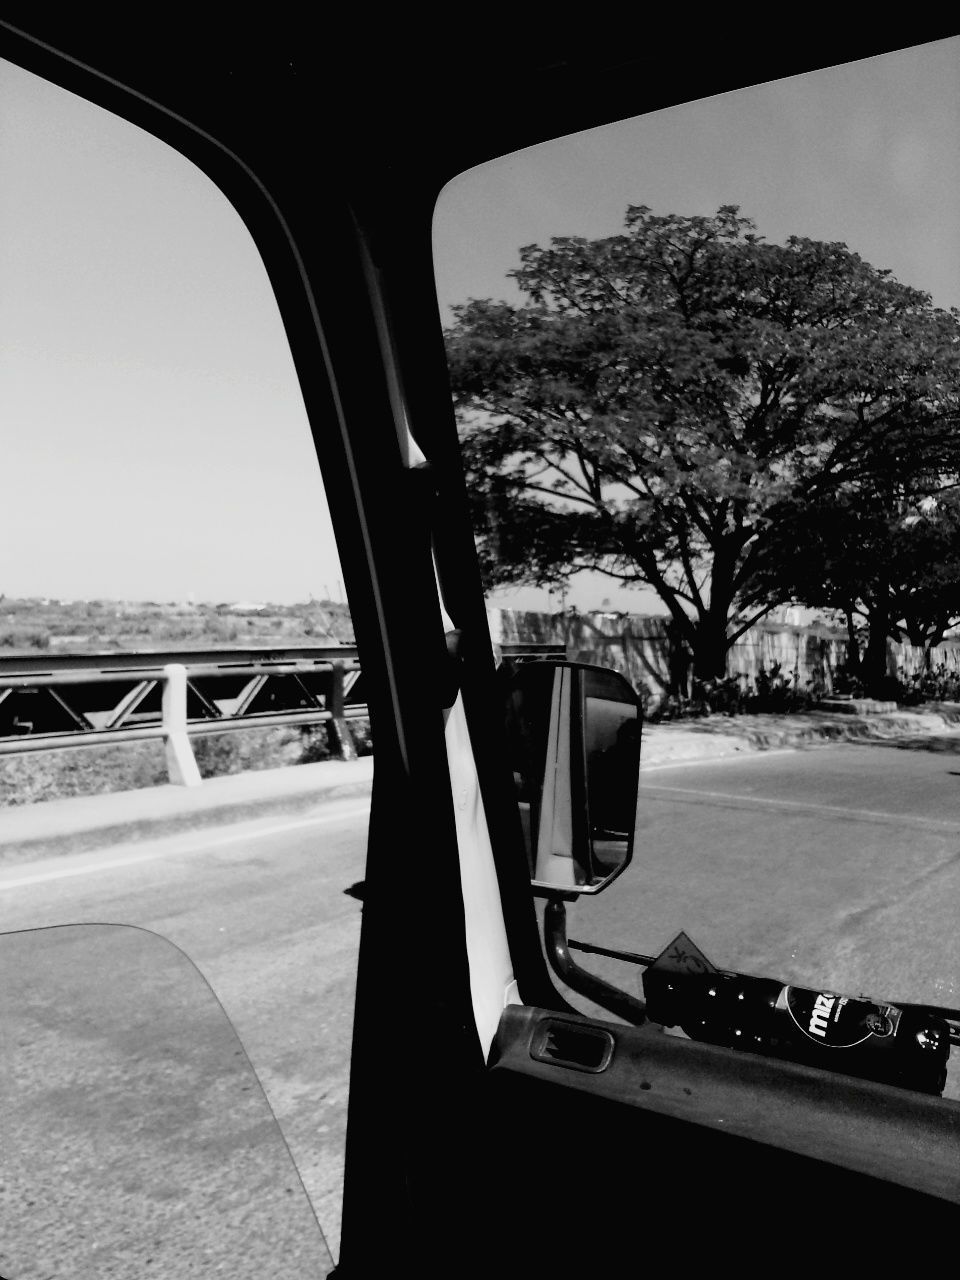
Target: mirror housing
(573, 742)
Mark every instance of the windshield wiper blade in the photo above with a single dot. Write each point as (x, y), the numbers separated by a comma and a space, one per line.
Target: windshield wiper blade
(633, 957)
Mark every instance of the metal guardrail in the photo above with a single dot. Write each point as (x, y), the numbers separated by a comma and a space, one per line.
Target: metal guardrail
(117, 661)
(97, 699)
(107, 698)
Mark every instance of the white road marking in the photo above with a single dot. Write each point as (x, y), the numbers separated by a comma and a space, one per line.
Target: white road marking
(186, 846)
(738, 757)
(873, 814)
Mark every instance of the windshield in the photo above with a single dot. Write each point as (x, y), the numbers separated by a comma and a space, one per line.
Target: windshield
(706, 370)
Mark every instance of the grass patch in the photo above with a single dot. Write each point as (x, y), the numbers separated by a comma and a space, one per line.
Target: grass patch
(81, 771)
(89, 771)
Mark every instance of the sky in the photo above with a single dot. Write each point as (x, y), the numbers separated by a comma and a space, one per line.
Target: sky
(157, 444)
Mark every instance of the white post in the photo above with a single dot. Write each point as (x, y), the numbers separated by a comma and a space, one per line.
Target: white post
(181, 764)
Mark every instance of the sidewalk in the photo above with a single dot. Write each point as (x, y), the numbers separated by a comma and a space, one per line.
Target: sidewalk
(78, 824)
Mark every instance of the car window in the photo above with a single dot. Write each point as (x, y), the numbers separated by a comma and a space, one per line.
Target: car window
(163, 512)
(705, 370)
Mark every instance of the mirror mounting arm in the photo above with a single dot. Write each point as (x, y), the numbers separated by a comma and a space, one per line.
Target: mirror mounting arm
(580, 980)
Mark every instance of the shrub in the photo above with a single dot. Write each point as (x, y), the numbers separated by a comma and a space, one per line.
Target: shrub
(21, 638)
(770, 691)
(938, 684)
(847, 681)
(314, 744)
(776, 692)
(722, 695)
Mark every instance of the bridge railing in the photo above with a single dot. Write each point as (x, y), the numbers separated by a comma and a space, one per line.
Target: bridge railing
(81, 700)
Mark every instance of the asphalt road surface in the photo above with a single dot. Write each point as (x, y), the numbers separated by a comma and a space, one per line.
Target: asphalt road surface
(835, 867)
(261, 909)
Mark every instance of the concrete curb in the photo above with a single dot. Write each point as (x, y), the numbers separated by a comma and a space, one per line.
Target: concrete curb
(79, 824)
(716, 737)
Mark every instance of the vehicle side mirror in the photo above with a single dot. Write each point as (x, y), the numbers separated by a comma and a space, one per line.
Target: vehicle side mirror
(573, 735)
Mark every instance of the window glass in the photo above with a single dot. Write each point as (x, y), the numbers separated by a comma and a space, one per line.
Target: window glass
(162, 498)
(705, 369)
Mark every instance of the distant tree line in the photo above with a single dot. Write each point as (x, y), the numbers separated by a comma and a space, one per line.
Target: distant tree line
(736, 424)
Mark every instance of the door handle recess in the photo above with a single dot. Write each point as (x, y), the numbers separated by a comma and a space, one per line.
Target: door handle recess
(570, 1044)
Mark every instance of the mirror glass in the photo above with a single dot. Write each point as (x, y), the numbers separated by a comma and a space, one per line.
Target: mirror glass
(611, 746)
(573, 735)
(137, 1140)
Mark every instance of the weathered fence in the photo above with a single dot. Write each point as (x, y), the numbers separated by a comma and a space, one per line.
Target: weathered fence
(647, 651)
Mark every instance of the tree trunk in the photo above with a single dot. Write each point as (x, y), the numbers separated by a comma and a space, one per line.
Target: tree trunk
(710, 648)
(678, 660)
(852, 663)
(874, 666)
(711, 643)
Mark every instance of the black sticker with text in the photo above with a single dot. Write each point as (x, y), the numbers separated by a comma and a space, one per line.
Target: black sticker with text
(838, 1022)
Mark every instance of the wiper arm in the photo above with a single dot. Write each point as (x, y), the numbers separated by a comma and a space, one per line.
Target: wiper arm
(633, 957)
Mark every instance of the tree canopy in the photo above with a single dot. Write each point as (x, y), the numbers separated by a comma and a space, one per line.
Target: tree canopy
(662, 403)
(882, 556)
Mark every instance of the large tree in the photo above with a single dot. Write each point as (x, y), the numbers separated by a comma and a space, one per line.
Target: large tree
(926, 592)
(660, 399)
(886, 554)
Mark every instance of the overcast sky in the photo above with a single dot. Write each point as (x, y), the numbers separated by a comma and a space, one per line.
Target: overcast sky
(157, 446)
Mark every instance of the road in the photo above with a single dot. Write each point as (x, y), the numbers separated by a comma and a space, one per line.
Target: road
(261, 910)
(836, 867)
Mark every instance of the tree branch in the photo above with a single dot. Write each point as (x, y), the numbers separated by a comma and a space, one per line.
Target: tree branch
(742, 630)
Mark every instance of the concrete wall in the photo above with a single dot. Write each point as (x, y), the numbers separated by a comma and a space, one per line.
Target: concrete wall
(641, 647)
